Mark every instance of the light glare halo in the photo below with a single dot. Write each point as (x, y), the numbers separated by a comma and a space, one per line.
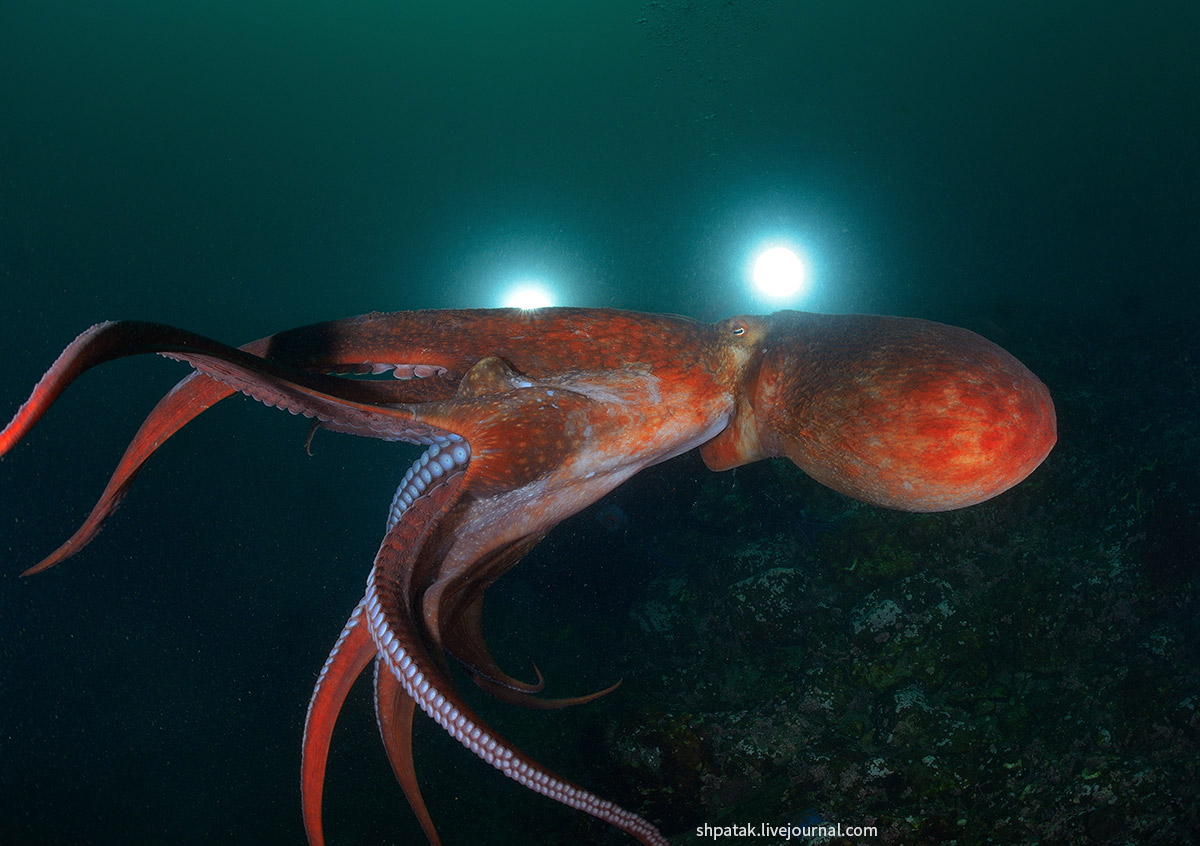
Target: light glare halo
(779, 273)
(528, 295)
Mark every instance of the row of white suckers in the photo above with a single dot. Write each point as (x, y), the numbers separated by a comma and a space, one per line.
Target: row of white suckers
(434, 462)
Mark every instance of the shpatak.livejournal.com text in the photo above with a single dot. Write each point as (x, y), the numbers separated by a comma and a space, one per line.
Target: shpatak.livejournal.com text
(785, 832)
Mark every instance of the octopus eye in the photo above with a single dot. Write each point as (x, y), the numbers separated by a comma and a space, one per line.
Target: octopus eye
(738, 328)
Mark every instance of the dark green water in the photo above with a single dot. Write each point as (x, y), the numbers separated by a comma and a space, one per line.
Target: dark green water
(1027, 170)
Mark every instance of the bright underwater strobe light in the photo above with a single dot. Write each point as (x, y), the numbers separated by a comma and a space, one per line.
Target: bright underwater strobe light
(780, 274)
(528, 295)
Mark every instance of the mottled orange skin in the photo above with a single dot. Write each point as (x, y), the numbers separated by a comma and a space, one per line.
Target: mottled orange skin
(559, 406)
(897, 412)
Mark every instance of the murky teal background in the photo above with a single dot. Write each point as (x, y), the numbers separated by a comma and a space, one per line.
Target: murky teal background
(242, 167)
